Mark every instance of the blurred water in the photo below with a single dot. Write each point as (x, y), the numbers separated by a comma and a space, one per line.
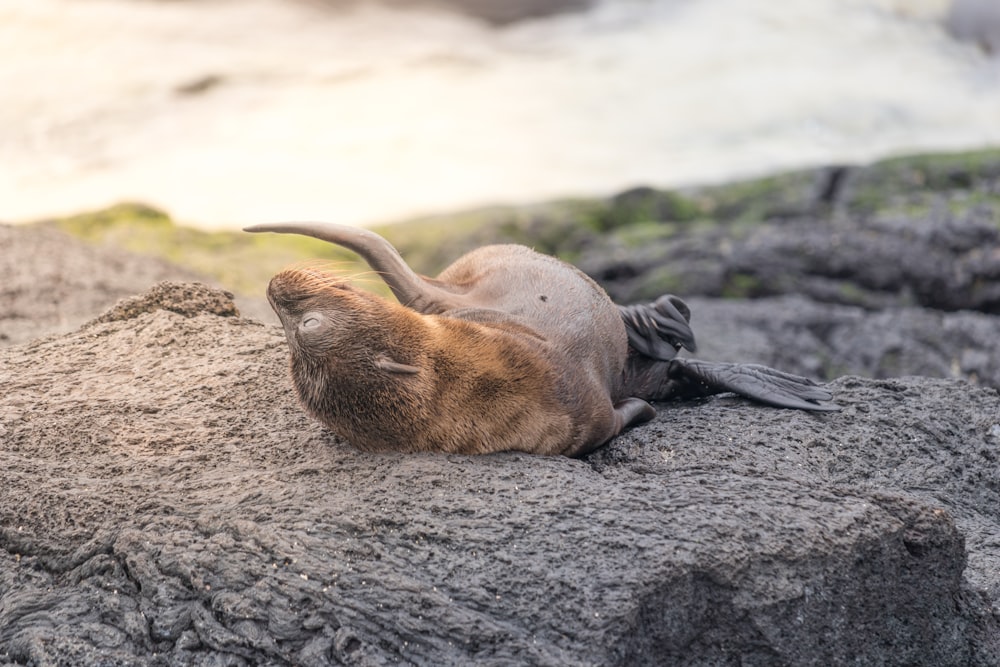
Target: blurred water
(230, 112)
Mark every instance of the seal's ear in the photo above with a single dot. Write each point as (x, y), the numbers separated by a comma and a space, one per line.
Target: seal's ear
(389, 365)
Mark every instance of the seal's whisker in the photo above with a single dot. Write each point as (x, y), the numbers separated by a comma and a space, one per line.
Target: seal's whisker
(318, 265)
(317, 275)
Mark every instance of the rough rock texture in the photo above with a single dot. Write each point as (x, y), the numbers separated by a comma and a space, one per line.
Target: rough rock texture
(53, 282)
(184, 299)
(885, 270)
(163, 500)
(874, 237)
(818, 340)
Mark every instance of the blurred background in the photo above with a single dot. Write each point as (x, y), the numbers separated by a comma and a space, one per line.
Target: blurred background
(225, 113)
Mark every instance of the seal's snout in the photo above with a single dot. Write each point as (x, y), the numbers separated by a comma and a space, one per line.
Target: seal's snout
(297, 285)
(282, 293)
(295, 294)
(309, 305)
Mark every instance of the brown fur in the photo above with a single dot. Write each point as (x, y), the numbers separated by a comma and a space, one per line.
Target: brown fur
(515, 370)
(507, 349)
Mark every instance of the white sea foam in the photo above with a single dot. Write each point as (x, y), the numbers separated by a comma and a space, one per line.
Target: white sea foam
(375, 114)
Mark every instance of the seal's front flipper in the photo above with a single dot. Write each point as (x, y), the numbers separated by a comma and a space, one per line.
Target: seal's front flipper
(627, 412)
(632, 411)
(659, 329)
(690, 378)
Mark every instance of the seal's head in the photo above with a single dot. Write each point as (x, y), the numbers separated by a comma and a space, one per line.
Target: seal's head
(329, 323)
(316, 310)
(350, 350)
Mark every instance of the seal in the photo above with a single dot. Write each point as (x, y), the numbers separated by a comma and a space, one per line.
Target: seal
(507, 349)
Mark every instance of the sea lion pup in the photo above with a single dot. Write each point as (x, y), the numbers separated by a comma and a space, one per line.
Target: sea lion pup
(507, 349)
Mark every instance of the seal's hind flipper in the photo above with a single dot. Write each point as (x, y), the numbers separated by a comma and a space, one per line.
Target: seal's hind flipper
(413, 290)
(690, 378)
(758, 383)
(659, 329)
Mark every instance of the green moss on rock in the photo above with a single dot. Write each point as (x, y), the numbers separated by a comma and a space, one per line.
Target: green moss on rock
(783, 195)
(636, 219)
(562, 228)
(896, 182)
(242, 262)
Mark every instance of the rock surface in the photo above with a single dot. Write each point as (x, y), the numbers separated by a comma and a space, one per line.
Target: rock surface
(911, 232)
(820, 340)
(975, 21)
(53, 282)
(163, 500)
(891, 269)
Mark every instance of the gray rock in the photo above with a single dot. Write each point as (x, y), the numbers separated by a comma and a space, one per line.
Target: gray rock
(826, 341)
(163, 500)
(917, 231)
(944, 260)
(54, 282)
(976, 21)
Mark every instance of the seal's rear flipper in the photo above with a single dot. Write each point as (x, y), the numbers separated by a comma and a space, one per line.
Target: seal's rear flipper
(413, 290)
(690, 378)
(659, 329)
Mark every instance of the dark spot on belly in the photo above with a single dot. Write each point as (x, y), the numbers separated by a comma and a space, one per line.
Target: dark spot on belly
(543, 297)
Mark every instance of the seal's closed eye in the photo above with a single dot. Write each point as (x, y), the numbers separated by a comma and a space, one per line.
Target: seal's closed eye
(311, 321)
